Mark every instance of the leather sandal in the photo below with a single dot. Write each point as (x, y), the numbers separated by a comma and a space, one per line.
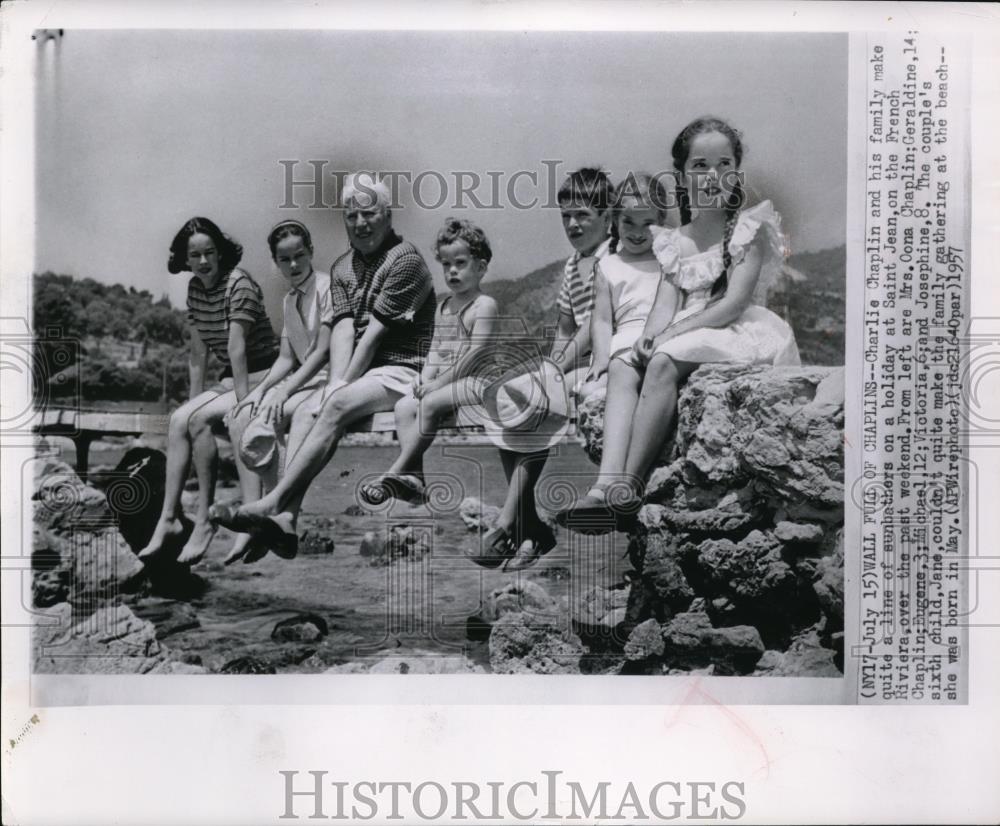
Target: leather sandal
(373, 493)
(590, 515)
(493, 550)
(405, 487)
(531, 549)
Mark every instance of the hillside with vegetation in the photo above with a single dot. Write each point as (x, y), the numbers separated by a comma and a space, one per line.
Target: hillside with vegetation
(106, 342)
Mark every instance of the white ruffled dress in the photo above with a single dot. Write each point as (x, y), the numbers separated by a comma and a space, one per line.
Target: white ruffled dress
(758, 336)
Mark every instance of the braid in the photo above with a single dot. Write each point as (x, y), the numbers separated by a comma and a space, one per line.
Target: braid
(733, 205)
(683, 204)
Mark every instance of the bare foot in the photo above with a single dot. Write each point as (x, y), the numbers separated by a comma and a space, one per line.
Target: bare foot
(240, 547)
(280, 534)
(168, 532)
(201, 538)
(256, 510)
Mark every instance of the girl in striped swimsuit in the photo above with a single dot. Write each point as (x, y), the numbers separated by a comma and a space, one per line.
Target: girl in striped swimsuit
(227, 318)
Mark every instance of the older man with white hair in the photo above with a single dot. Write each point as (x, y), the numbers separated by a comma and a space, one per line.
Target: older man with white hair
(383, 321)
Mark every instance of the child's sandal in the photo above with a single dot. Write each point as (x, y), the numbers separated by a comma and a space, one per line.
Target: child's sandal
(591, 514)
(373, 494)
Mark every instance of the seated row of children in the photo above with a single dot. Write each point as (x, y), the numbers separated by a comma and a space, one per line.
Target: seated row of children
(679, 282)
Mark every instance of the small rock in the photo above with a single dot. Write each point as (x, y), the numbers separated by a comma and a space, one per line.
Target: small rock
(477, 515)
(372, 544)
(300, 628)
(522, 643)
(401, 541)
(714, 510)
(691, 640)
(645, 641)
(796, 533)
(751, 571)
(600, 616)
(769, 664)
(314, 543)
(662, 572)
(248, 665)
(517, 596)
(805, 657)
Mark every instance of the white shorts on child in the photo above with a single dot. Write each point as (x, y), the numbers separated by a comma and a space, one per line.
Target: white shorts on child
(624, 340)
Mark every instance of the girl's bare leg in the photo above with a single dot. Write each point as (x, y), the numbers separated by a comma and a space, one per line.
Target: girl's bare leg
(170, 526)
(654, 414)
(205, 454)
(624, 382)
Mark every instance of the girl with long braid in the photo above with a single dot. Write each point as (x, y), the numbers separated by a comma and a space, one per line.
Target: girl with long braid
(716, 270)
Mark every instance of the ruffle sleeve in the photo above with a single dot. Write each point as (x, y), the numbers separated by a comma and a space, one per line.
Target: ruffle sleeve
(760, 222)
(668, 253)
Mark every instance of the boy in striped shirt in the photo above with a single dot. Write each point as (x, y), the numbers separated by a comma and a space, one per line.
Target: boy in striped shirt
(585, 204)
(520, 536)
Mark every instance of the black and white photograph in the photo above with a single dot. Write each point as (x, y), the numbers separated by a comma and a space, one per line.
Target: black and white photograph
(487, 412)
(523, 354)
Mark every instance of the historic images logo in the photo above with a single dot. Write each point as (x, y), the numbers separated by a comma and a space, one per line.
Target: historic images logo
(548, 798)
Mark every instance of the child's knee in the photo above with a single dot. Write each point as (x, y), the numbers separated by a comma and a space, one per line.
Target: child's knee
(406, 407)
(661, 369)
(179, 422)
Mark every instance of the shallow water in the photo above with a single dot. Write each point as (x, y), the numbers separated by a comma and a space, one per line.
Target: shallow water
(418, 603)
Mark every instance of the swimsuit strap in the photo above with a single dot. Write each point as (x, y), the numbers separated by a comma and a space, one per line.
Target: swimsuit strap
(460, 315)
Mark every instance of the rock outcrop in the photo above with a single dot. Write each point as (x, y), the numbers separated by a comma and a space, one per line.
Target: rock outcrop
(83, 573)
(739, 545)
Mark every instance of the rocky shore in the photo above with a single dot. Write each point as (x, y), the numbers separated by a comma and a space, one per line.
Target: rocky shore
(735, 567)
(737, 560)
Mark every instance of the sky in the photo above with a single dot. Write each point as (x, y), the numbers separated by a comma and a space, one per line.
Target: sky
(139, 130)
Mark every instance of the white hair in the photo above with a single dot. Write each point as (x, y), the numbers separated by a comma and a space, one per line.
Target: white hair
(365, 188)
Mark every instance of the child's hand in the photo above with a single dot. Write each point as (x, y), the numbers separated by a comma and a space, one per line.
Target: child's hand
(643, 349)
(251, 400)
(426, 387)
(272, 406)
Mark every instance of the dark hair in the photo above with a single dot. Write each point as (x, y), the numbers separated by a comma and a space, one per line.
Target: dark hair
(591, 185)
(230, 252)
(288, 229)
(646, 188)
(680, 152)
(458, 229)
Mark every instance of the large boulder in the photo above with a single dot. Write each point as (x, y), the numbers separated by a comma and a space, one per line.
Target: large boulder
(85, 567)
(738, 545)
(63, 502)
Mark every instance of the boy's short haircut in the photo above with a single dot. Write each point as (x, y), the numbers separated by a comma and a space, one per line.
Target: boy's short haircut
(591, 185)
(458, 229)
